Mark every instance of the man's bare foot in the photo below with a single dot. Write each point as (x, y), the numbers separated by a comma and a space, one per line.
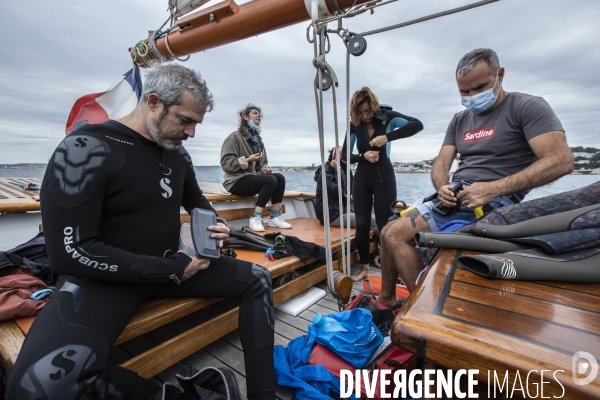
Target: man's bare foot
(363, 274)
(388, 302)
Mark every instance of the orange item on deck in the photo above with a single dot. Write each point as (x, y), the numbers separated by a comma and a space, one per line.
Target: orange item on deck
(401, 290)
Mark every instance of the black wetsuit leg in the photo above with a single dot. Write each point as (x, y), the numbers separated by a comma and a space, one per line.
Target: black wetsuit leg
(269, 187)
(362, 194)
(252, 285)
(374, 186)
(64, 355)
(385, 193)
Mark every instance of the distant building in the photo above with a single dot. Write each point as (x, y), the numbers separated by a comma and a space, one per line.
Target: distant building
(582, 154)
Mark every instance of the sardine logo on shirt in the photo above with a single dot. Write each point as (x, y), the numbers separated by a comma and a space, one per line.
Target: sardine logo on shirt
(164, 183)
(478, 134)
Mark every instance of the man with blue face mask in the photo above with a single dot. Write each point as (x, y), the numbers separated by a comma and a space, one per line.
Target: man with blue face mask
(509, 143)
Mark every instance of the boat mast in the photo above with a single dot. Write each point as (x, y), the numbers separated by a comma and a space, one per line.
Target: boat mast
(227, 22)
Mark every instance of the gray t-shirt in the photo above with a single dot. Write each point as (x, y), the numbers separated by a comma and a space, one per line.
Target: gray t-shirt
(494, 144)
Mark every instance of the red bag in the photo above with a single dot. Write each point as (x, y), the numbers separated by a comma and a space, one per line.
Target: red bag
(391, 359)
(327, 358)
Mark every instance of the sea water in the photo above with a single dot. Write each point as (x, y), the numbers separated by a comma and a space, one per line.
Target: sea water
(410, 187)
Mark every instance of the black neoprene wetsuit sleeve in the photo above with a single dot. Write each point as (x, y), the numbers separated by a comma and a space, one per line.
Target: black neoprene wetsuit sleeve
(413, 126)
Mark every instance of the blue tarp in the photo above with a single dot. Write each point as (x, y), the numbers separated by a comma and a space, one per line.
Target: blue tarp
(310, 382)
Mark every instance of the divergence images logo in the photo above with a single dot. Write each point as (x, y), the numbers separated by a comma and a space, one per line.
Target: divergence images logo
(584, 364)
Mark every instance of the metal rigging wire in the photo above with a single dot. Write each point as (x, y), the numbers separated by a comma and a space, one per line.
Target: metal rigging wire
(429, 17)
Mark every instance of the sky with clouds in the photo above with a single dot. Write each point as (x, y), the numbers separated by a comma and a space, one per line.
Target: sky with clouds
(54, 52)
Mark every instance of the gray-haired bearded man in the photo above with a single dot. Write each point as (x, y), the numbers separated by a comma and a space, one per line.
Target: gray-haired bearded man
(111, 201)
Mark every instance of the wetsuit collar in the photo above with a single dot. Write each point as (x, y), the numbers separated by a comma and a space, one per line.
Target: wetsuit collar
(381, 115)
(139, 138)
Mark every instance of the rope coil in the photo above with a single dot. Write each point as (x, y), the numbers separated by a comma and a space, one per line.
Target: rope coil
(146, 52)
(141, 52)
(157, 55)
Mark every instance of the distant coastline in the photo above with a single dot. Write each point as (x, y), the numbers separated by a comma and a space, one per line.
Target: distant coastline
(587, 162)
(23, 166)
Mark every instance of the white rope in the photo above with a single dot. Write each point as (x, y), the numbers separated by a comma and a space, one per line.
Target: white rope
(348, 165)
(170, 52)
(320, 40)
(157, 55)
(345, 266)
(321, 65)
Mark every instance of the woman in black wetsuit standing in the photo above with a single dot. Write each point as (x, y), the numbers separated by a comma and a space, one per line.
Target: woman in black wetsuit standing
(374, 183)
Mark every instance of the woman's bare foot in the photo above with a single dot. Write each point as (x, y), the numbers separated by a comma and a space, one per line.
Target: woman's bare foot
(364, 273)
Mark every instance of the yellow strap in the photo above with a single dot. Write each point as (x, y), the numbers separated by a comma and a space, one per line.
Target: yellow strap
(478, 211)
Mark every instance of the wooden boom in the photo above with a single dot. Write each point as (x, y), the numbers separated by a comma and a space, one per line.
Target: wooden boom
(228, 22)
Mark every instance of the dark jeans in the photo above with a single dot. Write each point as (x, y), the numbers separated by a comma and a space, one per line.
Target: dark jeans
(268, 187)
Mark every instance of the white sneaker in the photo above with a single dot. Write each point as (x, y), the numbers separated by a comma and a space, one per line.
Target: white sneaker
(278, 222)
(256, 223)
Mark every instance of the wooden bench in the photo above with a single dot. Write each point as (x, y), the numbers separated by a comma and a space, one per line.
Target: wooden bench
(161, 312)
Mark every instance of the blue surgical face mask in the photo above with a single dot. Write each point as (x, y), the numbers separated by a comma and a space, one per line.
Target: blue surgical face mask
(252, 125)
(481, 101)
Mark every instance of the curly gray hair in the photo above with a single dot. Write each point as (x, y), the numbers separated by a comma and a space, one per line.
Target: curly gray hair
(169, 80)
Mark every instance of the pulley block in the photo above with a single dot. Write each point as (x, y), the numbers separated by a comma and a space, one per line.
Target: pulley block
(355, 44)
(327, 80)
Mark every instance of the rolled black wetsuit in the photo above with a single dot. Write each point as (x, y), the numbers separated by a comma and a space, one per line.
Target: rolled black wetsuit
(374, 184)
(110, 209)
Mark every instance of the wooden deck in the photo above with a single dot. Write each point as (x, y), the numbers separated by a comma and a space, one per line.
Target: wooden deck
(228, 350)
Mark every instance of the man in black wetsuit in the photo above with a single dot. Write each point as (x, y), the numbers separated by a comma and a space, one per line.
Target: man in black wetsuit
(111, 201)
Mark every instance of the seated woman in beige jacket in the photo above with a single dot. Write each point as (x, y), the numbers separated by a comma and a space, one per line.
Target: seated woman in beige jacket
(244, 160)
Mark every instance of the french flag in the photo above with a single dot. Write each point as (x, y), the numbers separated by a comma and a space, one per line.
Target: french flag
(119, 100)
